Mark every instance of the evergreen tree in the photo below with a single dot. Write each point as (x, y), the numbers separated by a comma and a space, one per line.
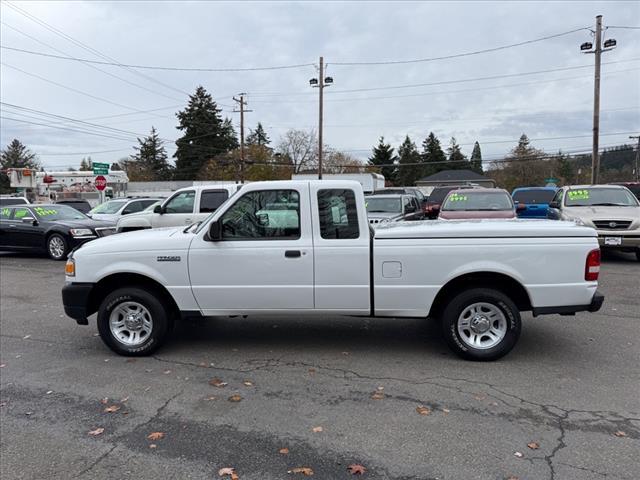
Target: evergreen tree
(86, 164)
(382, 154)
(205, 135)
(476, 159)
(433, 155)
(151, 158)
(409, 168)
(15, 155)
(258, 136)
(457, 159)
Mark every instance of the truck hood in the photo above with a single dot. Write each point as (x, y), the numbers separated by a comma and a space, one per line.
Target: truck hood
(603, 213)
(157, 239)
(109, 217)
(482, 228)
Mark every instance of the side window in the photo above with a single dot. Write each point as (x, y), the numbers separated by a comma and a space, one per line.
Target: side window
(558, 197)
(338, 214)
(266, 214)
(133, 207)
(212, 199)
(20, 213)
(5, 213)
(406, 204)
(181, 203)
(146, 203)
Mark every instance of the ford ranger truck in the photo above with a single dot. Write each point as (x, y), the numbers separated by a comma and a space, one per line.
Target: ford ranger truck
(306, 247)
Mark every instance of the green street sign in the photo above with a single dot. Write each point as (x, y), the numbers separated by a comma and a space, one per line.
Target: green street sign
(100, 168)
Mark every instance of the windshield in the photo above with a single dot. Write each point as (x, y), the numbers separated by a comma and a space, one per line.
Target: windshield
(58, 212)
(605, 197)
(383, 204)
(534, 196)
(469, 200)
(109, 207)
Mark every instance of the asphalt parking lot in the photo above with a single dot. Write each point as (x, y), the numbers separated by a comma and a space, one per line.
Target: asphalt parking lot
(571, 388)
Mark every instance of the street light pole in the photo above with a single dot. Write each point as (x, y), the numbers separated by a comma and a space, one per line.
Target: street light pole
(637, 173)
(320, 83)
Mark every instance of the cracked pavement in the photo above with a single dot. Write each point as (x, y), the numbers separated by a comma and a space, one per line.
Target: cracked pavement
(569, 385)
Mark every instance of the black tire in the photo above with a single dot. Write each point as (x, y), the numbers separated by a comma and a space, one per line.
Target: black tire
(57, 247)
(496, 299)
(157, 310)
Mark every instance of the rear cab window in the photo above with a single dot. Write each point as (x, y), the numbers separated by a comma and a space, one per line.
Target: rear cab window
(210, 200)
(337, 212)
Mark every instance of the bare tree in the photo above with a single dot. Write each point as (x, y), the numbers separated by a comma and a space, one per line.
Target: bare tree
(300, 149)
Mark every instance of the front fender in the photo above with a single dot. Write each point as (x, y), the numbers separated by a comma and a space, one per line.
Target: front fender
(141, 222)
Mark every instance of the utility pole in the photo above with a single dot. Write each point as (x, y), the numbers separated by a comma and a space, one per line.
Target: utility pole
(320, 83)
(242, 102)
(587, 47)
(636, 172)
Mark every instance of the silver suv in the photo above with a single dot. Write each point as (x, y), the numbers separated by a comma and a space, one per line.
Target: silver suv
(611, 209)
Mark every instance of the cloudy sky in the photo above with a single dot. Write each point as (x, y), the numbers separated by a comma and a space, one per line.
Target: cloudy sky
(543, 88)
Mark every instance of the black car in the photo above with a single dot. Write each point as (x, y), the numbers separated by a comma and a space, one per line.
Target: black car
(55, 229)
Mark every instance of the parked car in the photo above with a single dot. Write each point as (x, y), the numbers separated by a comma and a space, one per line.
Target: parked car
(55, 229)
(534, 199)
(13, 200)
(634, 187)
(477, 203)
(79, 204)
(474, 277)
(611, 209)
(436, 198)
(392, 208)
(113, 210)
(185, 206)
(422, 199)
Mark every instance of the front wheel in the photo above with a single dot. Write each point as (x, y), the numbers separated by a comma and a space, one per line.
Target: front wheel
(133, 321)
(481, 324)
(57, 247)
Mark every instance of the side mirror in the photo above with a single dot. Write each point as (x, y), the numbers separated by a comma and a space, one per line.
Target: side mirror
(435, 209)
(30, 221)
(158, 209)
(554, 205)
(520, 207)
(215, 231)
(410, 208)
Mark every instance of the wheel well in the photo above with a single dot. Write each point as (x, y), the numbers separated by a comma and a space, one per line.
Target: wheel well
(498, 281)
(119, 280)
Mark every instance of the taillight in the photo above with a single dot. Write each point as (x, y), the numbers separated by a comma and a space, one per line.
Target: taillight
(592, 267)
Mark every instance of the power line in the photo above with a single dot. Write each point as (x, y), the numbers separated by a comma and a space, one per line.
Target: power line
(155, 67)
(90, 65)
(624, 28)
(87, 47)
(63, 128)
(55, 154)
(465, 54)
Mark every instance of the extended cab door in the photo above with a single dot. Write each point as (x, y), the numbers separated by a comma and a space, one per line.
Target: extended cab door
(178, 210)
(264, 260)
(341, 249)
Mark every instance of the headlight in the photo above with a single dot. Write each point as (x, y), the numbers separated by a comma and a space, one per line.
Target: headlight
(81, 232)
(70, 268)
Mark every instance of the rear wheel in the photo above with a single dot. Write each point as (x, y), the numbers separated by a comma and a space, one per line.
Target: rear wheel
(57, 247)
(481, 324)
(133, 321)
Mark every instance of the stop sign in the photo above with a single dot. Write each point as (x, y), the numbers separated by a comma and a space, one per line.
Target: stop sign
(100, 182)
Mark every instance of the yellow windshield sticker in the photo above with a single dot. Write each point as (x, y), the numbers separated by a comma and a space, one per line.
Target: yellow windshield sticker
(578, 194)
(456, 197)
(43, 212)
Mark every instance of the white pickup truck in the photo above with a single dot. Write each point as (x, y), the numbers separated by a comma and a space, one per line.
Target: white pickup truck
(306, 247)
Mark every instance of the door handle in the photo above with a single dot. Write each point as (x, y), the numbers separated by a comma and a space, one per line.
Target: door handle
(292, 253)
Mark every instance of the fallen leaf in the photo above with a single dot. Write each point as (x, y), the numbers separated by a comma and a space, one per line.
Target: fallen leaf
(2, 365)
(423, 410)
(124, 400)
(317, 429)
(533, 445)
(446, 410)
(283, 451)
(518, 454)
(202, 364)
(248, 383)
(97, 431)
(167, 372)
(480, 396)
(104, 401)
(377, 395)
(153, 445)
(28, 414)
(212, 397)
(312, 371)
(356, 469)
(106, 359)
(216, 382)
(304, 470)
(381, 388)
(346, 353)
(155, 436)
(513, 478)
(48, 392)
(111, 409)
(235, 398)
(228, 471)
(620, 433)
(26, 336)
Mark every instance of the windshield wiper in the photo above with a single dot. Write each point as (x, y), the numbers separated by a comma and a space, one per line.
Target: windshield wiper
(380, 211)
(606, 204)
